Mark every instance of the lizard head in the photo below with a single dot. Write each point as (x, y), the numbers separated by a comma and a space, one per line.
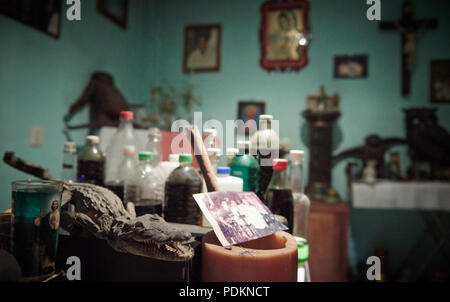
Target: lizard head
(150, 236)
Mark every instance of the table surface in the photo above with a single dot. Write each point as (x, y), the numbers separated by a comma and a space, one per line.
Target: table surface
(414, 195)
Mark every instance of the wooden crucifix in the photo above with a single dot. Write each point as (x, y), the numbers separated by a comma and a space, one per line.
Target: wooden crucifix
(409, 28)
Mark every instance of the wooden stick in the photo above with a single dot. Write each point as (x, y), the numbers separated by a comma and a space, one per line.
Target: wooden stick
(202, 158)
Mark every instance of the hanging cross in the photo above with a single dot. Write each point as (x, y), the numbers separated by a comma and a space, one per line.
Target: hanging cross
(409, 28)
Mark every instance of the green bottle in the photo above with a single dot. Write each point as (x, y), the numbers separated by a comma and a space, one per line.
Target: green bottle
(245, 166)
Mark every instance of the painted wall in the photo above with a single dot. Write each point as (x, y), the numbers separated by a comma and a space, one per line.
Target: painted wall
(372, 105)
(41, 76)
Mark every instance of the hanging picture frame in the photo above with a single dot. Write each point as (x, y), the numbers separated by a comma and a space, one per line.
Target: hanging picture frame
(284, 35)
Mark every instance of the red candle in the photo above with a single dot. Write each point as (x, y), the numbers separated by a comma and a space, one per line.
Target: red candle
(268, 259)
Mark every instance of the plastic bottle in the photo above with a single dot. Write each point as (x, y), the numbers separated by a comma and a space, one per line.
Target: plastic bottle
(154, 145)
(214, 157)
(91, 162)
(278, 196)
(146, 187)
(69, 161)
(127, 169)
(211, 140)
(267, 143)
(182, 183)
(301, 201)
(124, 136)
(246, 167)
(227, 183)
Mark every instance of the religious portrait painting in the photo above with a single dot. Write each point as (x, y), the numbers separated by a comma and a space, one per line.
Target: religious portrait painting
(202, 48)
(350, 67)
(250, 110)
(284, 35)
(114, 10)
(237, 217)
(440, 81)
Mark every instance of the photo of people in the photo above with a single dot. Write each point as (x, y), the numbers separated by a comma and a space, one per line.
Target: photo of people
(237, 217)
(283, 34)
(202, 48)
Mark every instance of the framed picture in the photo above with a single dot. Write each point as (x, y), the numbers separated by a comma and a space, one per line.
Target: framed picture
(114, 10)
(250, 110)
(440, 81)
(202, 48)
(284, 33)
(350, 67)
(44, 15)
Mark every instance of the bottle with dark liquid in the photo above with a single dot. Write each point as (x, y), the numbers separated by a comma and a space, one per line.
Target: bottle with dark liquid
(278, 196)
(181, 184)
(91, 162)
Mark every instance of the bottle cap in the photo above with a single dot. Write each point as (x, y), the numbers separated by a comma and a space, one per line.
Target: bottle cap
(154, 132)
(174, 158)
(92, 139)
(266, 117)
(126, 115)
(223, 170)
(214, 151)
(232, 151)
(279, 164)
(185, 158)
(129, 150)
(297, 155)
(70, 147)
(145, 155)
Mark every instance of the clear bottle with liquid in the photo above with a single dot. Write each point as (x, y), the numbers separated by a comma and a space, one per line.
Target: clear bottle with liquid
(147, 187)
(127, 169)
(154, 145)
(69, 162)
(124, 136)
(91, 162)
(301, 201)
(182, 183)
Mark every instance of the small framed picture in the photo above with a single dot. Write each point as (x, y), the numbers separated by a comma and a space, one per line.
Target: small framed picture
(440, 81)
(250, 110)
(114, 10)
(350, 67)
(202, 48)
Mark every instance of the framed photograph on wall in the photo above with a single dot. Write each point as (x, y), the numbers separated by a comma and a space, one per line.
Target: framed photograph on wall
(284, 35)
(250, 110)
(350, 67)
(202, 48)
(44, 15)
(440, 81)
(114, 10)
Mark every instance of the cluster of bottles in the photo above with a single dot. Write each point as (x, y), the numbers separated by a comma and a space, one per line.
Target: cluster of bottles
(139, 175)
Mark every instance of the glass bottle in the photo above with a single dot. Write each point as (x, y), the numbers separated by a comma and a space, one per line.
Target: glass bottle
(124, 136)
(91, 162)
(154, 145)
(266, 142)
(278, 196)
(69, 161)
(246, 167)
(181, 184)
(148, 186)
(301, 201)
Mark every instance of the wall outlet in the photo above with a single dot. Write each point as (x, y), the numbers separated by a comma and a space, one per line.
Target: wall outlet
(36, 133)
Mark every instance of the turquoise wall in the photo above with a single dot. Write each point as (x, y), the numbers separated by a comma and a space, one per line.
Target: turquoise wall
(40, 77)
(372, 105)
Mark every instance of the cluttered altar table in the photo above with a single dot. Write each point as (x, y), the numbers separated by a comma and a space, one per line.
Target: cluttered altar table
(430, 198)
